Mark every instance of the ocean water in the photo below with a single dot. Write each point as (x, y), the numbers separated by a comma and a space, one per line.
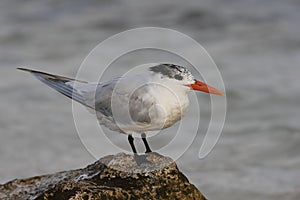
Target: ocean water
(255, 45)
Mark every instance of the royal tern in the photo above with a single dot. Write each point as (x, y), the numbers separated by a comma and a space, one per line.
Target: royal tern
(153, 100)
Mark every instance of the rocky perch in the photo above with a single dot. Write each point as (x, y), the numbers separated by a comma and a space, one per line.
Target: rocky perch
(111, 177)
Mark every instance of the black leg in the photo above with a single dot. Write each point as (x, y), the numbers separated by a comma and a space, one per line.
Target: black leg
(142, 158)
(148, 150)
(130, 139)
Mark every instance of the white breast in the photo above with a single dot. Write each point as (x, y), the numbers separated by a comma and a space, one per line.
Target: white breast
(171, 103)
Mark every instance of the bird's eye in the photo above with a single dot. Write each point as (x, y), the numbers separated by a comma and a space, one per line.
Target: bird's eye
(178, 77)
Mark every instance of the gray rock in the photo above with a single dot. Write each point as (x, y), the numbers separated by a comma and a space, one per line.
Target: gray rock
(111, 177)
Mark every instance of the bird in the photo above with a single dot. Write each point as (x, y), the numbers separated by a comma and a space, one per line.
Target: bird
(149, 101)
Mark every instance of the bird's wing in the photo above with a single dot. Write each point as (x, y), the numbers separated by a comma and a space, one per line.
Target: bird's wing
(140, 104)
(74, 89)
(125, 104)
(102, 98)
(98, 96)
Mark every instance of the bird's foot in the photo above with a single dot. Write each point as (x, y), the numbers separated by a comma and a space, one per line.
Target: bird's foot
(152, 152)
(141, 159)
(148, 151)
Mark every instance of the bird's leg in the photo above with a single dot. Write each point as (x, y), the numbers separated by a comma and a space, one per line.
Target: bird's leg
(148, 150)
(139, 159)
(130, 139)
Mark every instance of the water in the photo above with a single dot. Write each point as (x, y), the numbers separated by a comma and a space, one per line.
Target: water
(254, 43)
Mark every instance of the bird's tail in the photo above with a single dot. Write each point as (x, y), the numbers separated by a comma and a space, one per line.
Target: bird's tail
(61, 84)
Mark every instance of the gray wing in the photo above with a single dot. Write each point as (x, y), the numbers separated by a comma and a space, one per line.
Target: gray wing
(93, 95)
(102, 99)
(98, 96)
(124, 106)
(140, 105)
(74, 89)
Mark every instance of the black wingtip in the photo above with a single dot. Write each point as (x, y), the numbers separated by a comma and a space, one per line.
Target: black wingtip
(23, 69)
(48, 75)
(26, 69)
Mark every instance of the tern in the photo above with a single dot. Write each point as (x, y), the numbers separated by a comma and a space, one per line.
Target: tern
(150, 101)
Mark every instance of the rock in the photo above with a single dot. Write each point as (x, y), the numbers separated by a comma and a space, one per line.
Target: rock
(111, 177)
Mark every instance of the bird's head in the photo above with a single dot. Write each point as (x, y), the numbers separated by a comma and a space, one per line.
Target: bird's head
(183, 77)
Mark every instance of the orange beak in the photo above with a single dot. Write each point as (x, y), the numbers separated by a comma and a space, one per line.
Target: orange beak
(200, 86)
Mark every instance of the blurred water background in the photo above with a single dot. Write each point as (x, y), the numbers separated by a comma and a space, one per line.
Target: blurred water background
(255, 43)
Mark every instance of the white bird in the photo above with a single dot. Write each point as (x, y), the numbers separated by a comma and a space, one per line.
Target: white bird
(153, 100)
